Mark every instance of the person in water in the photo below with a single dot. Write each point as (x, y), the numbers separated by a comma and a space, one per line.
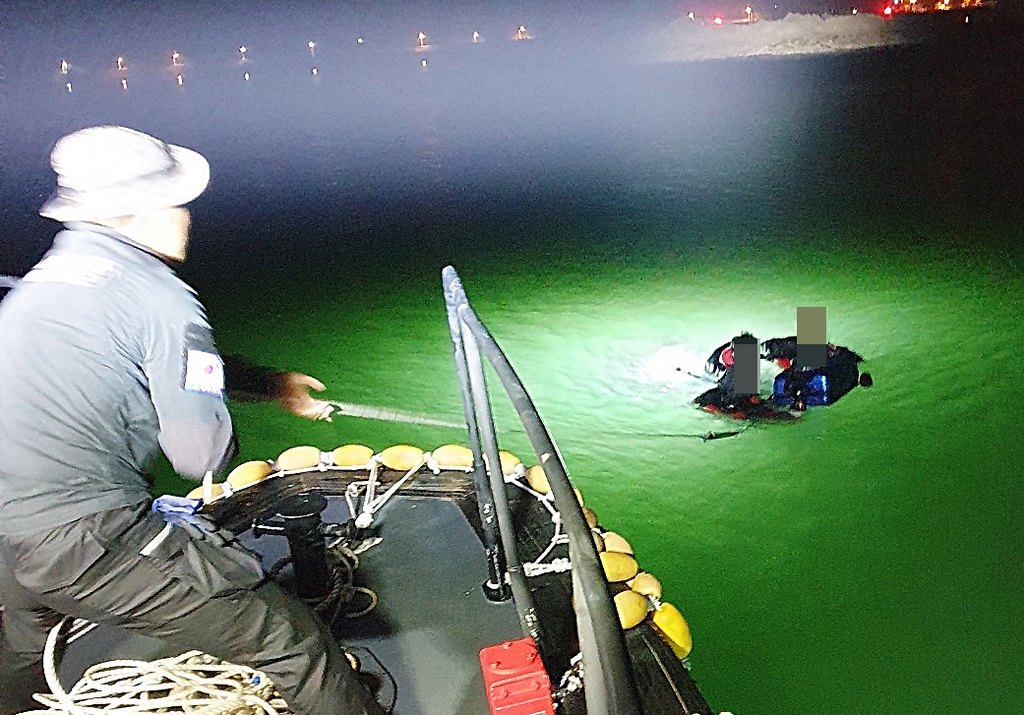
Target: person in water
(803, 387)
(723, 398)
(107, 359)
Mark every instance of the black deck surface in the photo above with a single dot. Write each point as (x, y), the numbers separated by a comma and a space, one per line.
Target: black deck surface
(430, 623)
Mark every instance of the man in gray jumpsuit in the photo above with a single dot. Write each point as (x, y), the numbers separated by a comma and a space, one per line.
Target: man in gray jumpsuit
(106, 359)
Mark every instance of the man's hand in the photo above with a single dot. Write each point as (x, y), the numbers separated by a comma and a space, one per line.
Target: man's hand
(291, 390)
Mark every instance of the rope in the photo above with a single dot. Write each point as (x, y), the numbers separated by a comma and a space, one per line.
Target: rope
(192, 683)
(389, 415)
(344, 563)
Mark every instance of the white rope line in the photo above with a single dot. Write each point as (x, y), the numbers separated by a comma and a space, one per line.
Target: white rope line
(371, 503)
(389, 415)
(380, 501)
(537, 566)
(192, 683)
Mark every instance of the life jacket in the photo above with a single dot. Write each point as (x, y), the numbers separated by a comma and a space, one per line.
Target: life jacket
(819, 386)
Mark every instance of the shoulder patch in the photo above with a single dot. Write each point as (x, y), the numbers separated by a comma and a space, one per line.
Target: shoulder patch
(203, 369)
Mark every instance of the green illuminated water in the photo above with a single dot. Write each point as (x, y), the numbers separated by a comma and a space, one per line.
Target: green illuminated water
(864, 559)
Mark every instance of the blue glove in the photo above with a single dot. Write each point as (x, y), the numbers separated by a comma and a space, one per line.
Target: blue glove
(184, 513)
(176, 508)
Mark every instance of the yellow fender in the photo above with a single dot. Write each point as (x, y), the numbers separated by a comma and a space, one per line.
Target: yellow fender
(632, 608)
(216, 492)
(674, 629)
(509, 462)
(249, 473)
(614, 542)
(618, 567)
(453, 456)
(298, 458)
(351, 455)
(537, 480)
(646, 584)
(401, 457)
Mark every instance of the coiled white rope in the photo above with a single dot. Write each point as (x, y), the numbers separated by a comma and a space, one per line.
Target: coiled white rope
(192, 683)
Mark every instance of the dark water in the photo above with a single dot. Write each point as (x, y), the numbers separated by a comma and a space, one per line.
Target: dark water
(601, 208)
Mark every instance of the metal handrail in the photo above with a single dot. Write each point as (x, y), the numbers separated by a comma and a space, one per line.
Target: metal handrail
(609, 684)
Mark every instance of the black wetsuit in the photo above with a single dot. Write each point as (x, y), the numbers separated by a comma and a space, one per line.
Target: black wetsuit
(723, 397)
(841, 372)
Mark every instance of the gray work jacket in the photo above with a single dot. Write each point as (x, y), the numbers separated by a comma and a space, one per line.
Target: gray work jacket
(106, 358)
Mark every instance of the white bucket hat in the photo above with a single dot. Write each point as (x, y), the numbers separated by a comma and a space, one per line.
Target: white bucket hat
(108, 172)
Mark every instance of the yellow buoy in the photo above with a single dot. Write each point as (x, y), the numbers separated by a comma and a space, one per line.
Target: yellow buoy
(537, 479)
(453, 455)
(618, 567)
(249, 473)
(645, 584)
(298, 458)
(216, 492)
(590, 516)
(351, 455)
(673, 627)
(401, 457)
(614, 542)
(632, 608)
(509, 462)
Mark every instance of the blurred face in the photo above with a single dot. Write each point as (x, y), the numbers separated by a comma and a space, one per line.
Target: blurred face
(163, 231)
(167, 232)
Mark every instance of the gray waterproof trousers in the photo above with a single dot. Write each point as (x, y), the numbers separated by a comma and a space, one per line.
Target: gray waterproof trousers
(192, 593)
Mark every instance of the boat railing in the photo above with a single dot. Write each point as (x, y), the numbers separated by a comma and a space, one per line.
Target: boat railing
(609, 684)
